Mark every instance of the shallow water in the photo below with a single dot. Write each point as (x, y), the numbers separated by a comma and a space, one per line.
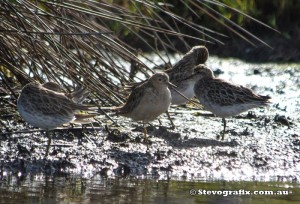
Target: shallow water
(57, 189)
(261, 151)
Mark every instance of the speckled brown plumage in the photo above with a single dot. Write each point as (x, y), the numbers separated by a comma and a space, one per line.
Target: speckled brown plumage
(225, 99)
(43, 106)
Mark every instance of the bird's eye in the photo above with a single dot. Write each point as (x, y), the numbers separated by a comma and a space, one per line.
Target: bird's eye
(159, 79)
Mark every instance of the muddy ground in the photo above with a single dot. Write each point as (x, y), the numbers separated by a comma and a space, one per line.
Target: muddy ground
(262, 144)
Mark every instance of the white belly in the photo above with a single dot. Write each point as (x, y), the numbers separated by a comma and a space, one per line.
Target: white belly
(228, 110)
(187, 90)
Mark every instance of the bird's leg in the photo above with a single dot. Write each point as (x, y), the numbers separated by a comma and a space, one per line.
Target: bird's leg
(145, 135)
(224, 127)
(48, 144)
(171, 121)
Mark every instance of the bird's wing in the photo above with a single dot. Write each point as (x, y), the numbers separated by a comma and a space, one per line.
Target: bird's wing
(227, 94)
(133, 100)
(51, 102)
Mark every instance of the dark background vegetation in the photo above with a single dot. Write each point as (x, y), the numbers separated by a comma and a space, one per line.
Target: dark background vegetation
(282, 15)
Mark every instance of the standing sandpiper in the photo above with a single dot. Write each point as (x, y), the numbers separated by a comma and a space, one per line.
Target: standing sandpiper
(44, 106)
(225, 99)
(148, 100)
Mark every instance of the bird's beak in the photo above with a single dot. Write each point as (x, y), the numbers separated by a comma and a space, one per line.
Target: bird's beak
(172, 85)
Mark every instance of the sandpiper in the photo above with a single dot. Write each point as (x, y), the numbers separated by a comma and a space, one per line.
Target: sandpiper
(46, 107)
(148, 100)
(225, 99)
